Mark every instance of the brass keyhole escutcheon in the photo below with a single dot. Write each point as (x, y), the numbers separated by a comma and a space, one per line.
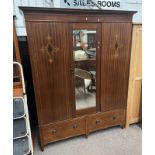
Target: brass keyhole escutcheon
(116, 46)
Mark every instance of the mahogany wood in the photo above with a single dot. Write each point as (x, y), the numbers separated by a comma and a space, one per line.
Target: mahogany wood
(51, 80)
(76, 15)
(115, 63)
(50, 40)
(85, 111)
(107, 119)
(63, 130)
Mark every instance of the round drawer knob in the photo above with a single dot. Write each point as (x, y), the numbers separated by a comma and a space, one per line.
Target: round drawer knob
(75, 126)
(98, 121)
(114, 117)
(54, 131)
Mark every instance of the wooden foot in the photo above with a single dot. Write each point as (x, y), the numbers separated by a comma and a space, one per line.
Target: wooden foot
(86, 136)
(122, 126)
(42, 148)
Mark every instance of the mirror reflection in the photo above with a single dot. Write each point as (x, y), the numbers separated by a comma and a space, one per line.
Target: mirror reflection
(84, 45)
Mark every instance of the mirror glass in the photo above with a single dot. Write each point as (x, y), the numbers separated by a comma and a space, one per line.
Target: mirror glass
(84, 53)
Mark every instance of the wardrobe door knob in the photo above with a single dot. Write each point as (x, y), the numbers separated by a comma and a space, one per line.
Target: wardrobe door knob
(98, 121)
(114, 117)
(75, 126)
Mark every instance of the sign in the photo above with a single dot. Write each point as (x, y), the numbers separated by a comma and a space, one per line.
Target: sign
(89, 4)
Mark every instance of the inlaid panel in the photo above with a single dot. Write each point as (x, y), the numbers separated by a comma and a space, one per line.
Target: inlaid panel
(50, 62)
(115, 60)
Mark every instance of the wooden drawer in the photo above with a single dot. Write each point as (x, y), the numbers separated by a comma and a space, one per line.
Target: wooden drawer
(106, 119)
(63, 130)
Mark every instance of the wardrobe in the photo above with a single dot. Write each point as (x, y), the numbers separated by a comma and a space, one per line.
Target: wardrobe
(80, 62)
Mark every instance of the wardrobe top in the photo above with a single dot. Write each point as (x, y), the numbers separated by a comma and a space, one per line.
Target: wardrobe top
(72, 11)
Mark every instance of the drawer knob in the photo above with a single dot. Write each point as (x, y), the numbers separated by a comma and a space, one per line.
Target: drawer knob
(114, 117)
(75, 126)
(54, 131)
(98, 121)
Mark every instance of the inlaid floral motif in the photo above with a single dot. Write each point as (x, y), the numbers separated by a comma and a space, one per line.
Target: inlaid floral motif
(49, 49)
(116, 45)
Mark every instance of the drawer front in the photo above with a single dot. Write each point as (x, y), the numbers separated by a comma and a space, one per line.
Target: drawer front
(106, 119)
(63, 130)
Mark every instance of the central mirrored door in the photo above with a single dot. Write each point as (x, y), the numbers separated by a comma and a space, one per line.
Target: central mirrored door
(85, 51)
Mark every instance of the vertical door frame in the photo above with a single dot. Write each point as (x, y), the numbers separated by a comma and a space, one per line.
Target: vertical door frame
(89, 26)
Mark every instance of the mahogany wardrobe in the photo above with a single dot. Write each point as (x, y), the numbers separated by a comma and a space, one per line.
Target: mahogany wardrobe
(80, 63)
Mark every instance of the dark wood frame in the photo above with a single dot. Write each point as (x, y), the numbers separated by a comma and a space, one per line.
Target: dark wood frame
(35, 14)
(92, 119)
(97, 27)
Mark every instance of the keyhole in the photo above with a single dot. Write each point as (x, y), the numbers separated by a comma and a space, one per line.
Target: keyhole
(116, 45)
(50, 49)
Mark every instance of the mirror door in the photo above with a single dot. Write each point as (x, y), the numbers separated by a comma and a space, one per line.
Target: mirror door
(86, 45)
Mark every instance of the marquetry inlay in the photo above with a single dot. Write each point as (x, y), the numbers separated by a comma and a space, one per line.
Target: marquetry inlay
(116, 45)
(49, 49)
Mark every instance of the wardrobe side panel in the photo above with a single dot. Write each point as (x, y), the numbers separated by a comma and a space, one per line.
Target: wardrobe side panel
(50, 69)
(134, 106)
(115, 62)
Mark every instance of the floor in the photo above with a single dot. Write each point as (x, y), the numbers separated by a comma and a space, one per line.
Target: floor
(112, 141)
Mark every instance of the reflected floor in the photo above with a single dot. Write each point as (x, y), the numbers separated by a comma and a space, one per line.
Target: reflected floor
(84, 99)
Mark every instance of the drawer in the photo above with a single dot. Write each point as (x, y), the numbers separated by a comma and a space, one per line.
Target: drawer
(63, 130)
(104, 120)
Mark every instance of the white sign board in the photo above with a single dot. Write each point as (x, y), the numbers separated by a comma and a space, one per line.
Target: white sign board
(134, 5)
(87, 4)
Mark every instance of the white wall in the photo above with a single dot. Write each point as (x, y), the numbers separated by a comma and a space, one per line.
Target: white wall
(134, 5)
(20, 24)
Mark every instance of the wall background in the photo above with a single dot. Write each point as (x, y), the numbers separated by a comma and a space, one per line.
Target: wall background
(134, 5)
